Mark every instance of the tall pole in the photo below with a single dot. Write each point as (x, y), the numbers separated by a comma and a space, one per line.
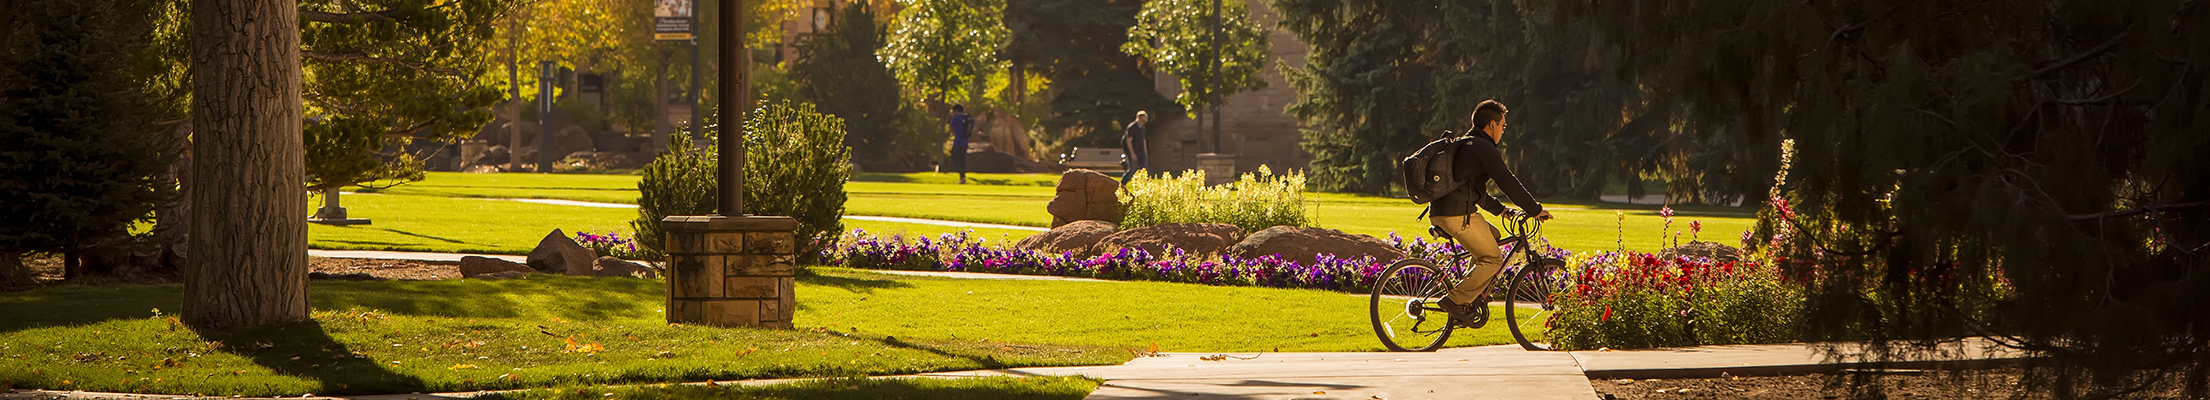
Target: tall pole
(733, 106)
(698, 22)
(1214, 90)
(514, 95)
(545, 82)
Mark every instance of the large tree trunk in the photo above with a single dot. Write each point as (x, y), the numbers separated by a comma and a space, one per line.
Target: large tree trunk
(248, 249)
(13, 274)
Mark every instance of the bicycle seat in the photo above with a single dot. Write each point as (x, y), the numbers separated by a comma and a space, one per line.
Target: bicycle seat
(1438, 232)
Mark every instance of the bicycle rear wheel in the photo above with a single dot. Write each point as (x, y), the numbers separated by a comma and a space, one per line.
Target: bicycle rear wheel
(1527, 307)
(1405, 306)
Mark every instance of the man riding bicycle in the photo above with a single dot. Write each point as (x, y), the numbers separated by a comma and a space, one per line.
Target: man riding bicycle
(1479, 162)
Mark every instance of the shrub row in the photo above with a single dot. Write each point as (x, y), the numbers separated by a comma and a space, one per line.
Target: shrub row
(1253, 201)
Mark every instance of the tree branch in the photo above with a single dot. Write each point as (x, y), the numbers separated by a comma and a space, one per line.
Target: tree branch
(2076, 59)
(2139, 210)
(364, 57)
(345, 18)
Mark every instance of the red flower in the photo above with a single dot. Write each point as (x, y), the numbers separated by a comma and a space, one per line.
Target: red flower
(1607, 313)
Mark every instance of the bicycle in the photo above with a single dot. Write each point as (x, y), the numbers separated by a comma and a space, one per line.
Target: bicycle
(1411, 288)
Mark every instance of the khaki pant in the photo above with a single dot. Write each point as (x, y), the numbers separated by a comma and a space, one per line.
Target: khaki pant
(1479, 239)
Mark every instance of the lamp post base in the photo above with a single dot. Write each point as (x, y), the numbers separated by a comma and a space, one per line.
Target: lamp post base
(731, 271)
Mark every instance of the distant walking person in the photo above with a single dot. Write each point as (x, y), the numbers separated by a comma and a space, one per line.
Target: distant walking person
(961, 126)
(1132, 144)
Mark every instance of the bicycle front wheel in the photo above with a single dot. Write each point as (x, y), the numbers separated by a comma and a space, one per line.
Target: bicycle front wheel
(1527, 307)
(1405, 306)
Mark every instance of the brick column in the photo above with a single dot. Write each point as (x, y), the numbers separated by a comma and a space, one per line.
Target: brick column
(726, 271)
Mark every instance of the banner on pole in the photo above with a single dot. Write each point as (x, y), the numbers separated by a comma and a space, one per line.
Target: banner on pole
(671, 20)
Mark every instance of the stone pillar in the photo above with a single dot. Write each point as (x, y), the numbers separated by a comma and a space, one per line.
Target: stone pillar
(1219, 168)
(731, 271)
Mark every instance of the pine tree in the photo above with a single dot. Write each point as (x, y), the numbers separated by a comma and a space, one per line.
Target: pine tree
(2031, 172)
(79, 157)
(1076, 45)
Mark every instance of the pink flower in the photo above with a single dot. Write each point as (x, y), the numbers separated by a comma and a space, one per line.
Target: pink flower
(1695, 227)
(1666, 211)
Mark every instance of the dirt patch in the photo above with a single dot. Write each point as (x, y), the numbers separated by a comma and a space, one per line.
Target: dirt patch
(1987, 384)
(50, 269)
(358, 268)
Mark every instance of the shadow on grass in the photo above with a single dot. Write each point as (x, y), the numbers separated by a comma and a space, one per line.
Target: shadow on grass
(70, 304)
(583, 299)
(422, 236)
(986, 361)
(303, 349)
(852, 284)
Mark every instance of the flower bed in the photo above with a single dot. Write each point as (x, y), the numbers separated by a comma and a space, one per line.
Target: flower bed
(965, 253)
(1638, 300)
(1609, 299)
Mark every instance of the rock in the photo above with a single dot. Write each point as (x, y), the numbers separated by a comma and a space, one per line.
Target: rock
(1304, 245)
(570, 140)
(559, 254)
(1701, 249)
(503, 275)
(1198, 239)
(1084, 195)
(615, 267)
(1080, 237)
(475, 266)
(494, 155)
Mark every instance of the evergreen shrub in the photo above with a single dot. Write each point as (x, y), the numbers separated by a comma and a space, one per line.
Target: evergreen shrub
(796, 164)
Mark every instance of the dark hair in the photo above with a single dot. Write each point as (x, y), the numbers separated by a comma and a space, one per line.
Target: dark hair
(957, 108)
(1487, 112)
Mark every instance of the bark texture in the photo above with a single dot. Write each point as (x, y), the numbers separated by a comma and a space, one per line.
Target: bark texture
(248, 263)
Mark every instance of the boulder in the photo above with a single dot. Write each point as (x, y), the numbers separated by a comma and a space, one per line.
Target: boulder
(615, 267)
(477, 266)
(570, 140)
(1198, 239)
(494, 155)
(1702, 249)
(1084, 195)
(1080, 237)
(503, 275)
(559, 254)
(1304, 245)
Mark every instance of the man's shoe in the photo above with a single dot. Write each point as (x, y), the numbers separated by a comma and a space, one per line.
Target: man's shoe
(1466, 315)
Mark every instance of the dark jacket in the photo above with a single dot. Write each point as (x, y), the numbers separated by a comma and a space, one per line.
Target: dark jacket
(1479, 162)
(1132, 140)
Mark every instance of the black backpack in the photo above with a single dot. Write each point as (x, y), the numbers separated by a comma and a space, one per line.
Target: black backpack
(1427, 173)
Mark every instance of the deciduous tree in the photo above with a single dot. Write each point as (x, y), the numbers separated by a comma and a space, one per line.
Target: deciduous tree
(1177, 37)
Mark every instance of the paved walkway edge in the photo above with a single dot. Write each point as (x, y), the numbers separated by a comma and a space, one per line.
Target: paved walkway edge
(1795, 369)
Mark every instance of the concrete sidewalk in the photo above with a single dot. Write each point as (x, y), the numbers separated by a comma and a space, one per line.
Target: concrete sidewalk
(1775, 359)
(1489, 372)
(444, 258)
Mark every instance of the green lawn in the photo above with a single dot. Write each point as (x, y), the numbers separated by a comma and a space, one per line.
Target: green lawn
(490, 226)
(985, 388)
(400, 337)
(457, 335)
(1016, 199)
